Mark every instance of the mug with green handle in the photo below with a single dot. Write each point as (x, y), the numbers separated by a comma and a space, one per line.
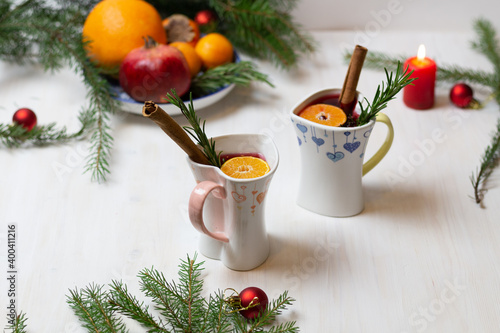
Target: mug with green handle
(332, 161)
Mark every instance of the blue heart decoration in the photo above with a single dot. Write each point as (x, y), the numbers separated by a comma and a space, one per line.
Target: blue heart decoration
(352, 146)
(302, 128)
(335, 157)
(318, 141)
(347, 133)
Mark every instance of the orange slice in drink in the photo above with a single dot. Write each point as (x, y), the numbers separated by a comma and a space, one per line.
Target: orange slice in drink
(324, 114)
(245, 167)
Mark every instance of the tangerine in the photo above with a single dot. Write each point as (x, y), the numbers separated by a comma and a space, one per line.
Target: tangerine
(324, 114)
(214, 50)
(192, 58)
(115, 27)
(245, 167)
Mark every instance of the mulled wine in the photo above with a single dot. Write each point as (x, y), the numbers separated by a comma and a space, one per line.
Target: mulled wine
(333, 100)
(225, 157)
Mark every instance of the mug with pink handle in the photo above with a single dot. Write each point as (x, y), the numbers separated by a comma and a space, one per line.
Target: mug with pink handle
(229, 212)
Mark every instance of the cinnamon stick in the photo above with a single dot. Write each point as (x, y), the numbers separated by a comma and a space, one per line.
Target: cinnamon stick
(348, 94)
(152, 111)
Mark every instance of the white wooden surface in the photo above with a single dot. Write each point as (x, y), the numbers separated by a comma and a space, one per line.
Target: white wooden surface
(421, 257)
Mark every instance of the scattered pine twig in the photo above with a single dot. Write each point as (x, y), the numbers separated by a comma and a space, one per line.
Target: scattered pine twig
(489, 162)
(14, 136)
(19, 325)
(445, 72)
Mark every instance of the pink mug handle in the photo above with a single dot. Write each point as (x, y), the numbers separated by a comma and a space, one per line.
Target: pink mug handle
(196, 203)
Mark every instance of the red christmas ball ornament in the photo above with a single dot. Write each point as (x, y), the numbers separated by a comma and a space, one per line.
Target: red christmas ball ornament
(255, 299)
(204, 17)
(461, 95)
(25, 117)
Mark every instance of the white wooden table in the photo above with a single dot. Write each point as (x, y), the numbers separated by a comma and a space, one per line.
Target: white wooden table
(421, 257)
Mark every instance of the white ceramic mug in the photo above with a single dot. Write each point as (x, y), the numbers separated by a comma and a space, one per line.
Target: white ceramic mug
(229, 212)
(332, 161)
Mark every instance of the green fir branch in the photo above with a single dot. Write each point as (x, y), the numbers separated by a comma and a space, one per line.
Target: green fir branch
(191, 286)
(197, 129)
(128, 305)
(264, 29)
(489, 162)
(13, 136)
(92, 308)
(446, 73)
(487, 43)
(385, 92)
(165, 295)
(217, 319)
(240, 73)
(19, 324)
(99, 310)
(33, 31)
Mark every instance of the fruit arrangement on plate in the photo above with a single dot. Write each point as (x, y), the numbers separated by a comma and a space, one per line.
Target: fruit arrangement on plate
(147, 56)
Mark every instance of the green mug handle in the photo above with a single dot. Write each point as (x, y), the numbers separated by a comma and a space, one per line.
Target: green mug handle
(379, 155)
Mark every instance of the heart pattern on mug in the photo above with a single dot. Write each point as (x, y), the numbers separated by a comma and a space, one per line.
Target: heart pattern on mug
(239, 198)
(318, 141)
(261, 197)
(335, 157)
(302, 128)
(352, 146)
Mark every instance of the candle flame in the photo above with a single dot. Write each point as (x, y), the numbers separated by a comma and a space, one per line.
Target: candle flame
(421, 52)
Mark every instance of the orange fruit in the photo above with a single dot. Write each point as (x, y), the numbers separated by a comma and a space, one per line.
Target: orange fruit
(193, 60)
(324, 114)
(214, 50)
(180, 28)
(116, 27)
(245, 167)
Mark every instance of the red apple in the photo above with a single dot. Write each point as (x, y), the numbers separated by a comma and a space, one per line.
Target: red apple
(149, 72)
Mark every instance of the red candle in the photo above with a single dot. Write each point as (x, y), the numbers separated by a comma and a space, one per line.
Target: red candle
(420, 95)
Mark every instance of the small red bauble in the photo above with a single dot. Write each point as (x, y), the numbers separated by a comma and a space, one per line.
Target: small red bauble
(461, 95)
(204, 17)
(25, 117)
(258, 296)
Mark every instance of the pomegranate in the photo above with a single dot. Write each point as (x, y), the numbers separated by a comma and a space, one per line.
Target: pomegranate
(149, 72)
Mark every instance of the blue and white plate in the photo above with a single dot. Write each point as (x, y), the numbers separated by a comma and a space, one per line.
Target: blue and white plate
(130, 105)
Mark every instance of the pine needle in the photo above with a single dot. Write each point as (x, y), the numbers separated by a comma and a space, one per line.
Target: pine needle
(128, 305)
(489, 162)
(264, 29)
(19, 325)
(487, 42)
(241, 73)
(92, 308)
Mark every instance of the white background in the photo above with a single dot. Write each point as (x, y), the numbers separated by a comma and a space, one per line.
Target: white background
(413, 15)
